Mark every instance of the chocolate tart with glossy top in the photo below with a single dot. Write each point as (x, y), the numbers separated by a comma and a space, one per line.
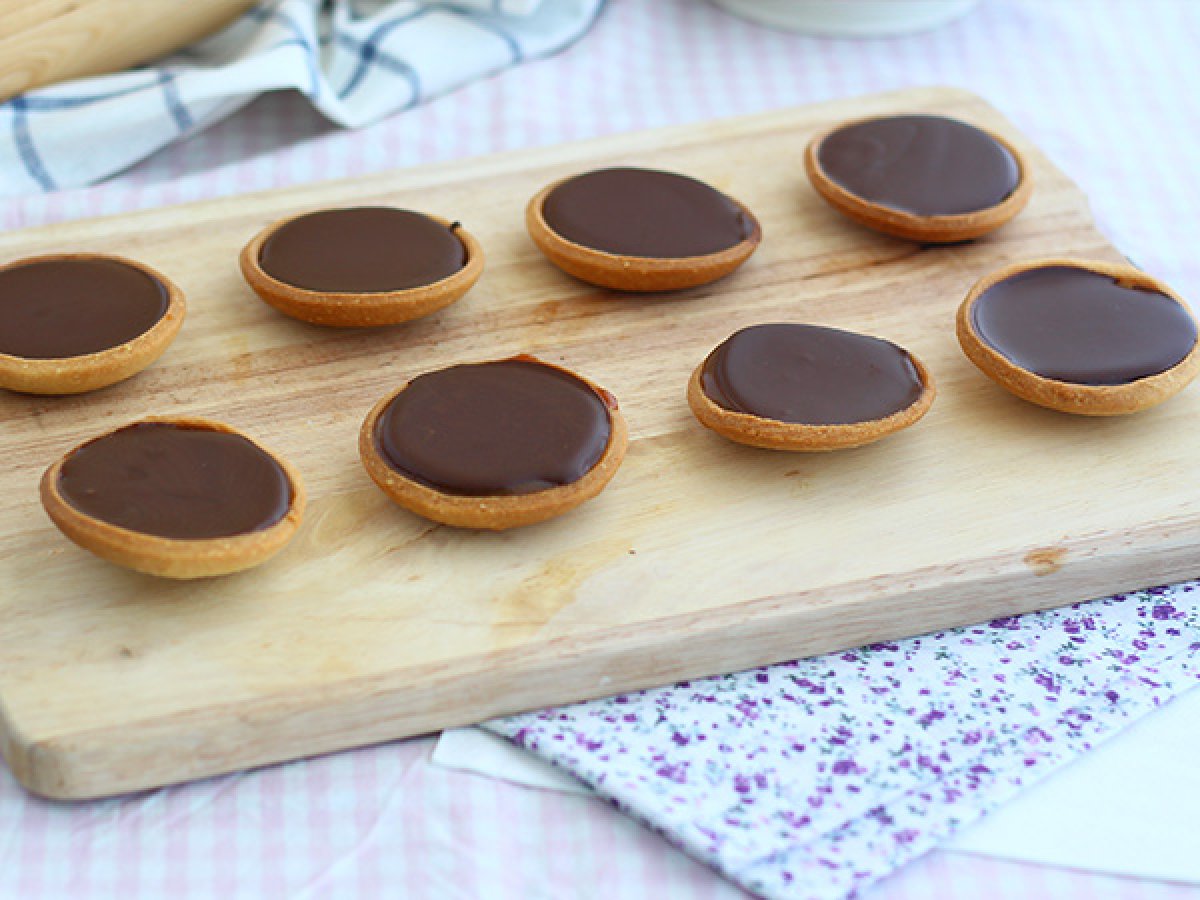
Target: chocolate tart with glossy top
(935, 229)
(91, 371)
(776, 434)
(353, 309)
(1068, 396)
(495, 512)
(625, 272)
(171, 557)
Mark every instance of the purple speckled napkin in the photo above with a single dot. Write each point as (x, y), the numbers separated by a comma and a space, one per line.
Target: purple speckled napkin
(816, 777)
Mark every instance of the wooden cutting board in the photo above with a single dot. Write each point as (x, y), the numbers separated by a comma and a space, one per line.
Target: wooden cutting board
(701, 557)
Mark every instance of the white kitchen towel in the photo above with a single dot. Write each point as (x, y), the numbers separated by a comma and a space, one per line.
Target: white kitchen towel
(483, 753)
(1128, 808)
(814, 778)
(356, 60)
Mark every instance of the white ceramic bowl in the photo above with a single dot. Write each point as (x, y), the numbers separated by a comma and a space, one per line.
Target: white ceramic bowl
(850, 18)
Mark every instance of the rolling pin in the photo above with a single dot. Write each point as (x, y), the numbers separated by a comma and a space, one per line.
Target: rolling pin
(44, 41)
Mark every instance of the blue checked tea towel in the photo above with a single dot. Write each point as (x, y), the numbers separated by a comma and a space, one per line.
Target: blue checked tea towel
(356, 60)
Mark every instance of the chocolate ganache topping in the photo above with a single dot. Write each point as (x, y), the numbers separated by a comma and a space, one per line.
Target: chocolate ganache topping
(1074, 325)
(63, 307)
(645, 213)
(508, 427)
(919, 164)
(810, 375)
(176, 481)
(362, 250)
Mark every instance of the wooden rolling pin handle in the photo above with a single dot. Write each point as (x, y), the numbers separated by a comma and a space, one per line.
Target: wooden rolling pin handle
(46, 41)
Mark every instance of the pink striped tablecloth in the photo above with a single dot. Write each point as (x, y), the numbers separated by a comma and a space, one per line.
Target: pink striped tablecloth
(1106, 87)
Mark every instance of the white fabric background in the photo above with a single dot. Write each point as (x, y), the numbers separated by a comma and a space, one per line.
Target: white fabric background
(1106, 87)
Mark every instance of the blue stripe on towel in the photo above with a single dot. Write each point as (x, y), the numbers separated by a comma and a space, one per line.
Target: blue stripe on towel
(369, 53)
(23, 141)
(183, 118)
(494, 28)
(36, 104)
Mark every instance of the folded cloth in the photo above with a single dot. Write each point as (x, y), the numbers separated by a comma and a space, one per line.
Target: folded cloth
(817, 777)
(356, 61)
(1064, 821)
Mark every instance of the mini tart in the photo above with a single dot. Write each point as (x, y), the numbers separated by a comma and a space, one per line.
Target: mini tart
(641, 274)
(933, 229)
(494, 512)
(1067, 396)
(776, 434)
(101, 368)
(356, 309)
(173, 557)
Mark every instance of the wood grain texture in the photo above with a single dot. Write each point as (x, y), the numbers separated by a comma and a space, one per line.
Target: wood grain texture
(702, 556)
(45, 41)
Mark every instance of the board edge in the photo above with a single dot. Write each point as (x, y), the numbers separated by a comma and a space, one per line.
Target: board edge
(293, 725)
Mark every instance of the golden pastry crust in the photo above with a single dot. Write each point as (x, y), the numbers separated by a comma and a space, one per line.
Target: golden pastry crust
(363, 309)
(1064, 396)
(634, 273)
(496, 512)
(927, 229)
(169, 557)
(92, 371)
(771, 434)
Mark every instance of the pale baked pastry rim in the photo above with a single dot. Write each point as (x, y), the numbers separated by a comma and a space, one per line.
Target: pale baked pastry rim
(638, 274)
(174, 557)
(910, 226)
(65, 375)
(1066, 396)
(358, 309)
(493, 512)
(772, 434)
